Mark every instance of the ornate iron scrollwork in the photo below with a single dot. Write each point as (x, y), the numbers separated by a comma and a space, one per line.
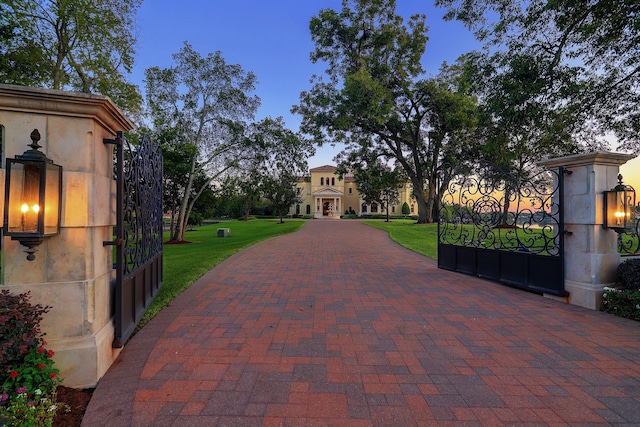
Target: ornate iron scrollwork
(493, 209)
(629, 241)
(142, 210)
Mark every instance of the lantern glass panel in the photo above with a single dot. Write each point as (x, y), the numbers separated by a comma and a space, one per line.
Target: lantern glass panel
(23, 202)
(615, 209)
(52, 199)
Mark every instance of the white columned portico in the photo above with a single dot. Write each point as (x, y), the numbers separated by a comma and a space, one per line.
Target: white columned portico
(329, 197)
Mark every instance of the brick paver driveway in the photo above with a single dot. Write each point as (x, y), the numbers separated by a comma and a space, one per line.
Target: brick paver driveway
(336, 325)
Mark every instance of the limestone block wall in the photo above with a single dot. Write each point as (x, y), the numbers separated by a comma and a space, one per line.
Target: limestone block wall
(72, 272)
(591, 256)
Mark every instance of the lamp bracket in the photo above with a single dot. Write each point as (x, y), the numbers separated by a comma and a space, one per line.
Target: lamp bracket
(115, 242)
(115, 141)
(30, 243)
(567, 171)
(567, 232)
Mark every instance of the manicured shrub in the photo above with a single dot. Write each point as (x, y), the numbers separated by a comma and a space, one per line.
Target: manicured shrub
(349, 216)
(406, 210)
(628, 275)
(622, 302)
(624, 299)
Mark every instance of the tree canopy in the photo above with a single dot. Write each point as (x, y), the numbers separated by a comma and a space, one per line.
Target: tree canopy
(206, 103)
(585, 55)
(375, 98)
(86, 46)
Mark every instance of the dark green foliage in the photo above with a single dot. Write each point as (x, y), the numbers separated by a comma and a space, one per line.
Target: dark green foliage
(19, 329)
(623, 303)
(405, 209)
(628, 275)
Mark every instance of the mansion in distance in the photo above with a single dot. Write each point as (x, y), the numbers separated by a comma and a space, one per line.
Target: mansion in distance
(324, 195)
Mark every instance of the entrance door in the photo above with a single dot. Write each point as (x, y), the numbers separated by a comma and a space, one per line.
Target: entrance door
(327, 209)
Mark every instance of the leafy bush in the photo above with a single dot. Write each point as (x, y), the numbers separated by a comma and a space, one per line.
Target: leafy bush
(19, 329)
(628, 275)
(29, 380)
(622, 302)
(307, 216)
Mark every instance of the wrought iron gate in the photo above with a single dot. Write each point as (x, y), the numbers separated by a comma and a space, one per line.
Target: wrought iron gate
(138, 232)
(498, 226)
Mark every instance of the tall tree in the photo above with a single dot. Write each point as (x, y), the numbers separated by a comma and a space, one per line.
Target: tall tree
(586, 55)
(376, 182)
(279, 159)
(81, 45)
(374, 99)
(205, 102)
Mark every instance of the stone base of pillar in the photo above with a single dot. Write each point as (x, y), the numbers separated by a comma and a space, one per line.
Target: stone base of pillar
(586, 295)
(84, 360)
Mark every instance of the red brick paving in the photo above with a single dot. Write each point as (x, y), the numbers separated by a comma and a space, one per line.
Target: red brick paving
(336, 325)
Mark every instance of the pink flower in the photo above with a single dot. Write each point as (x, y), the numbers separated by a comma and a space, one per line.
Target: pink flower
(40, 365)
(50, 354)
(40, 350)
(53, 375)
(21, 390)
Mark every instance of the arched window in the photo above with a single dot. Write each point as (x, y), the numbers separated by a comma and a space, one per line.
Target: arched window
(327, 180)
(374, 207)
(364, 208)
(413, 208)
(321, 181)
(393, 209)
(350, 190)
(308, 209)
(333, 181)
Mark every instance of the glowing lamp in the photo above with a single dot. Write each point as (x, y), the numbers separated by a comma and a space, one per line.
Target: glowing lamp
(618, 206)
(32, 197)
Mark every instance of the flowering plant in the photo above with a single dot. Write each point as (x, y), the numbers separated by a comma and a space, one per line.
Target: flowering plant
(29, 392)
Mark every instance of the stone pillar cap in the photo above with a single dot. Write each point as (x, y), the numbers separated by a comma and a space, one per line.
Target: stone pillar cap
(594, 158)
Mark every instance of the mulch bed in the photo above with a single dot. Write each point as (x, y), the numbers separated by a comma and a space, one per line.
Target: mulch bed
(77, 401)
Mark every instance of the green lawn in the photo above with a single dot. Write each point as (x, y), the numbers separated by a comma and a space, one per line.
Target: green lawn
(185, 263)
(420, 238)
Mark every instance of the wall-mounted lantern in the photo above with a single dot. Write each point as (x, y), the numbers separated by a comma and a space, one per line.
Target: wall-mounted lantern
(618, 206)
(32, 197)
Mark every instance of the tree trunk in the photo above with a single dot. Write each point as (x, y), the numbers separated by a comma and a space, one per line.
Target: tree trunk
(178, 234)
(431, 197)
(422, 205)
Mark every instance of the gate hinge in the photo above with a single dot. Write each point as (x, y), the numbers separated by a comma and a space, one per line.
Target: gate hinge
(115, 141)
(116, 242)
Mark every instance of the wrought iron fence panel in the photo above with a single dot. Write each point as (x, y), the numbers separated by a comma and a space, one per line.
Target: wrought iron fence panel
(496, 210)
(629, 241)
(142, 238)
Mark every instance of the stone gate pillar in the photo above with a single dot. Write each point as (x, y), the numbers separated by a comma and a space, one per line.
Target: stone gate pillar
(590, 251)
(72, 271)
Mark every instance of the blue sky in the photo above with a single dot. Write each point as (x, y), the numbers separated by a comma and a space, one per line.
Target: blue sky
(271, 39)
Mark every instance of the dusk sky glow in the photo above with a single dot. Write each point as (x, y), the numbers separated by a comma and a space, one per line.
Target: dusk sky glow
(271, 39)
